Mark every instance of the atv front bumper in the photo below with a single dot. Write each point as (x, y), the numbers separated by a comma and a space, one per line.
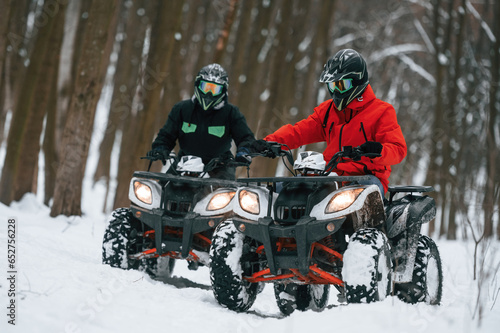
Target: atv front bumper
(306, 231)
(191, 224)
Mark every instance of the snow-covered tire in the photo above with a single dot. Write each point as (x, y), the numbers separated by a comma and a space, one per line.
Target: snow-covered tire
(427, 281)
(228, 266)
(119, 240)
(293, 296)
(367, 267)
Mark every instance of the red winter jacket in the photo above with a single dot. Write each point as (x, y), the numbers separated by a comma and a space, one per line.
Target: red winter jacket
(365, 115)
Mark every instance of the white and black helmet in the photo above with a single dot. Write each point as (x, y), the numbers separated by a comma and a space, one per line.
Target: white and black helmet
(210, 86)
(309, 161)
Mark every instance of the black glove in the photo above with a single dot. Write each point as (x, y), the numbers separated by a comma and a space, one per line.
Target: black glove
(159, 154)
(371, 147)
(262, 147)
(243, 155)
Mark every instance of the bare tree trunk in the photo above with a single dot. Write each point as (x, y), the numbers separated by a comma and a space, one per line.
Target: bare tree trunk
(492, 155)
(5, 6)
(22, 149)
(224, 33)
(45, 93)
(160, 53)
(240, 55)
(13, 57)
(125, 84)
(92, 66)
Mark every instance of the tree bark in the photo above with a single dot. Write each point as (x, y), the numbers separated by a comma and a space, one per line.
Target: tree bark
(224, 33)
(14, 57)
(92, 65)
(160, 54)
(125, 84)
(45, 95)
(492, 155)
(5, 6)
(23, 142)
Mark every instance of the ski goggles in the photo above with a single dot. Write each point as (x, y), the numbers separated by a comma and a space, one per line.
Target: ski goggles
(206, 87)
(342, 86)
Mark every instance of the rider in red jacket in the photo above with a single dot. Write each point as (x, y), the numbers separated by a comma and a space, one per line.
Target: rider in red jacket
(353, 117)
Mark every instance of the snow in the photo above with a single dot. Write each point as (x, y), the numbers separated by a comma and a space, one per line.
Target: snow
(63, 287)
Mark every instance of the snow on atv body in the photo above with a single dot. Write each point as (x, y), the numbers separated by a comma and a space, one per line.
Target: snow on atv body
(170, 217)
(296, 239)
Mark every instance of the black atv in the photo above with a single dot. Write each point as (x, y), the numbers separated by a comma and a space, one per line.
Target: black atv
(171, 216)
(293, 231)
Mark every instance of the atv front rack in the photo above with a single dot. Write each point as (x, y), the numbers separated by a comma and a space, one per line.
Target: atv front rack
(311, 179)
(165, 177)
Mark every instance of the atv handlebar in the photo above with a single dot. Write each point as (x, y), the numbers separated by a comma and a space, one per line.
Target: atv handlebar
(349, 152)
(275, 150)
(210, 166)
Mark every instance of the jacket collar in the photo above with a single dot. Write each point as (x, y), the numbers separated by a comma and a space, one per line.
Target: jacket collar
(360, 102)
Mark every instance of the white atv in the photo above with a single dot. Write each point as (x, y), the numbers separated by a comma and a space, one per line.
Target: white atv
(171, 216)
(320, 230)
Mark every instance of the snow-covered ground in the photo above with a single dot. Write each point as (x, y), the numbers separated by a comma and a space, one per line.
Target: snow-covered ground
(63, 287)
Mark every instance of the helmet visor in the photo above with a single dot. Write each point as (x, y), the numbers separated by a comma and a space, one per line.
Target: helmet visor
(342, 85)
(206, 87)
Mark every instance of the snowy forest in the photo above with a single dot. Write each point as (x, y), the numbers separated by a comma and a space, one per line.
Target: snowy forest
(436, 61)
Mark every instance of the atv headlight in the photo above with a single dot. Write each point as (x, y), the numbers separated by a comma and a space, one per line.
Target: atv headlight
(342, 200)
(220, 200)
(143, 192)
(249, 202)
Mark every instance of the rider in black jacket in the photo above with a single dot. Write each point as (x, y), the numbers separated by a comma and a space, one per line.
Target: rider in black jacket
(205, 124)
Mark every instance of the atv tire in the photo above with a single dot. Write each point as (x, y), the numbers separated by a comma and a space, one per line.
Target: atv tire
(119, 240)
(427, 281)
(229, 255)
(367, 269)
(293, 296)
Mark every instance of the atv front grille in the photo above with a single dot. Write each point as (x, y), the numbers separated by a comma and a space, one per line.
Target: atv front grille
(287, 214)
(178, 207)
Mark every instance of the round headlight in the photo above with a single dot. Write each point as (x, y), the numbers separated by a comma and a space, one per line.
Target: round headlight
(249, 202)
(143, 193)
(220, 200)
(342, 200)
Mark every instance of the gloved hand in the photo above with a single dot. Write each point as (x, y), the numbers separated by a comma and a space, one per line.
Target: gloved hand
(262, 146)
(159, 154)
(371, 147)
(243, 155)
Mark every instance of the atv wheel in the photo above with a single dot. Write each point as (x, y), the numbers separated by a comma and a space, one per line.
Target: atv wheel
(229, 262)
(293, 296)
(427, 281)
(367, 267)
(119, 240)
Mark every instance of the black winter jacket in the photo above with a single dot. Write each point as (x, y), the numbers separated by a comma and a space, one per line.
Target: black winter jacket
(206, 134)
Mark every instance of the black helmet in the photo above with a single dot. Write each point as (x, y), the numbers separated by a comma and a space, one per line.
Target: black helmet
(346, 77)
(210, 86)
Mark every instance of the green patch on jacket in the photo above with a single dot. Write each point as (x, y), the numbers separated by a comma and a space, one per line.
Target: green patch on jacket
(188, 128)
(218, 131)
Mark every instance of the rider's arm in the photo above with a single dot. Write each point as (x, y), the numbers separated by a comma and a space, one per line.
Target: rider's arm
(306, 131)
(389, 134)
(240, 132)
(166, 138)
